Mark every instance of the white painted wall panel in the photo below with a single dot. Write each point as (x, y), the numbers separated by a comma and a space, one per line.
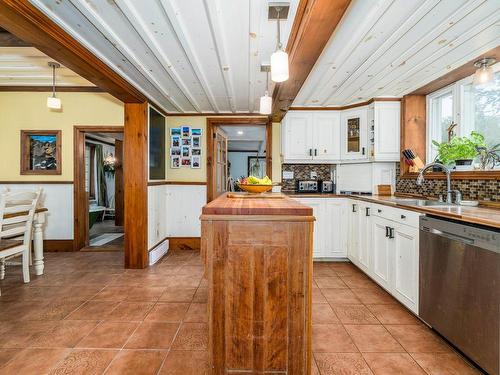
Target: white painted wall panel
(58, 199)
(184, 204)
(157, 214)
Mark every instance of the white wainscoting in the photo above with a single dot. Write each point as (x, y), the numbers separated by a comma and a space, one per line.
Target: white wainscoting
(184, 204)
(157, 214)
(58, 199)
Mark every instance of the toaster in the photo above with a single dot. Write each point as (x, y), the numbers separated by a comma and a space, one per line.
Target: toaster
(327, 186)
(307, 186)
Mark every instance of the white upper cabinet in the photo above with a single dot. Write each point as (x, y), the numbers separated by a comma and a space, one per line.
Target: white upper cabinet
(297, 136)
(326, 136)
(385, 130)
(354, 134)
(309, 136)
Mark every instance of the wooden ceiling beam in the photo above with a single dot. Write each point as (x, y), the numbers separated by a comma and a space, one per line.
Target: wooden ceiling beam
(24, 20)
(9, 40)
(314, 23)
(49, 89)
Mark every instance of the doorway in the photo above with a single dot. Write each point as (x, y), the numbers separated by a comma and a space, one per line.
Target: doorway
(227, 135)
(99, 189)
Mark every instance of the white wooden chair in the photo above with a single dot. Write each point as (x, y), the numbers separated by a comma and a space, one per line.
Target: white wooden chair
(17, 210)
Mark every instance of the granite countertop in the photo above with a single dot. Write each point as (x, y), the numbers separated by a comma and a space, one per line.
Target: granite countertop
(488, 216)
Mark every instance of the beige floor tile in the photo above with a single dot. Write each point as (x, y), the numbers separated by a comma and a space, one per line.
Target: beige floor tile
(136, 362)
(392, 364)
(342, 364)
(373, 338)
(331, 338)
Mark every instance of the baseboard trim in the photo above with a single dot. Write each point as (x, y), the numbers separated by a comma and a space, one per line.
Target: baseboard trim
(184, 243)
(57, 245)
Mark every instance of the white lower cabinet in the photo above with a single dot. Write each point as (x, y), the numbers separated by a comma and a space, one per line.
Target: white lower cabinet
(330, 227)
(381, 252)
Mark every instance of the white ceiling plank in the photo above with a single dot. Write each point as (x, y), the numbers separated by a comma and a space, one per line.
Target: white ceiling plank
(186, 44)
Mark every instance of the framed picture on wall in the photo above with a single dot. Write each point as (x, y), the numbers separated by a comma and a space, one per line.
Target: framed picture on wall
(195, 161)
(175, 132)
(41, 152)
(175, 151)
(195, 132)
(186, 152)
(186, 142)
(186, 162)
(186, 132)
(196, 151)
(196, 141)
(175, 162)
(175, 141)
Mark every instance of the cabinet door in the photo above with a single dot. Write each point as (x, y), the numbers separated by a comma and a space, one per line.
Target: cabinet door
(297, 137)
(364, 235)
(382, 257)
(386, 134)
(335, 228)
(353, 232)
(354, 134)
(326, 136)
(319, 223)
(406, 252)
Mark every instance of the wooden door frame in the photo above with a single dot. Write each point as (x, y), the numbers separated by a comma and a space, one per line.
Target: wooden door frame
(213, 122)
(80, 201)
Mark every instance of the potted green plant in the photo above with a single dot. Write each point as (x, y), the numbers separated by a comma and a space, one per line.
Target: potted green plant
(489, 157)
(460, 150)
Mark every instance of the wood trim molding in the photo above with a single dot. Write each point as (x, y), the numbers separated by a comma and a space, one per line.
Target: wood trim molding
(26, 22)
(158, 183)
(49, 89)
(23, 182)
(457, 74)
(460, 175)
(340, 108)
(80, 196)
(212, 114)
(213, 122)
(314, 23)
(58, 245)
(184, 243)
(135, 168)
(9, 40)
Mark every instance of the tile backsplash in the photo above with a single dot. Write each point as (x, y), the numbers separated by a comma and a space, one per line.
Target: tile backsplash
(470, 189)
(303, 172)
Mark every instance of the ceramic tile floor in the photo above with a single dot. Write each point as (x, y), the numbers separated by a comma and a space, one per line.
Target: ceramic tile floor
(87, 315)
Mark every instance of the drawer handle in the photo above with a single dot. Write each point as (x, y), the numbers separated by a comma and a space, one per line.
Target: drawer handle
(367, 211)
(403, 216)
(391, 232)
(379, 210)
(387, 231)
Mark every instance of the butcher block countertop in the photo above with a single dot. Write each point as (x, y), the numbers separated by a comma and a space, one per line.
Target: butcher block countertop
(251, 204)
(483, 215)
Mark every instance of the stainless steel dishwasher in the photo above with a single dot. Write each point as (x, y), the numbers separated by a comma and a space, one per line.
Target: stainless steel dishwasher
(460, 287)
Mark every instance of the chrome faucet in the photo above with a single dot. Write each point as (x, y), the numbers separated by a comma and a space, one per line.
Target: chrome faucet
(446, 170)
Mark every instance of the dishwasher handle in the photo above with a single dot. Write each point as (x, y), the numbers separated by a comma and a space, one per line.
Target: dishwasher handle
(450, 236)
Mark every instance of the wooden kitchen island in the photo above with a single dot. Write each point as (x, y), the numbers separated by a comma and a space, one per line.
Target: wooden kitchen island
(258, 261)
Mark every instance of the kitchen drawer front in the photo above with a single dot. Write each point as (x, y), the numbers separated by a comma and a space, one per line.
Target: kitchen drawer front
(396, 214)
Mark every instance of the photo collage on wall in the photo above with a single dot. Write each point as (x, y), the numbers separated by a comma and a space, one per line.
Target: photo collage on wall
(185, 147)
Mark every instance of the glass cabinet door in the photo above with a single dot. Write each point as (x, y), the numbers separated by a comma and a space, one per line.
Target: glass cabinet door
(353, 135)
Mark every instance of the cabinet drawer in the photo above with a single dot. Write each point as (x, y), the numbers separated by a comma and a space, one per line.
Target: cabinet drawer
(396, 214)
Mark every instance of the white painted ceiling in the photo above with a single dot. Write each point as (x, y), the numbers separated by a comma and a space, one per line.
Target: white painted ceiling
(391, 48)
(27, 66)
(252, 138)
(187, 55)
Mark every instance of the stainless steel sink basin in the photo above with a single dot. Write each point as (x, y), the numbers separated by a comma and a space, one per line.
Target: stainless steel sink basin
(422, 202)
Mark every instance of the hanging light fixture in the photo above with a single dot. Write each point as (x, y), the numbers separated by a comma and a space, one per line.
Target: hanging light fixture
(484, 72)
(266, 102)
(279, 59)
(52, 101)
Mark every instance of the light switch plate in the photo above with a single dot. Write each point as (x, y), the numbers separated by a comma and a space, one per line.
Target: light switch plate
(314, 175)
(287, 175)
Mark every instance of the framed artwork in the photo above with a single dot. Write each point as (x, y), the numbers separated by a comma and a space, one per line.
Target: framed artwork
(195, 132)
(196, 141)
(175, 151)
(186, 142)
(175, 162)
(186, 152)
(175, 131)
(186, 162)
(196, 151)
(195, 161)
(175, 141)
(41, 152)
(186, 132)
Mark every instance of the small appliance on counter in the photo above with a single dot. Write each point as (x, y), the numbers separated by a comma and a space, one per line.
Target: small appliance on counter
(307, 186)
(327, 186)
(348, 192)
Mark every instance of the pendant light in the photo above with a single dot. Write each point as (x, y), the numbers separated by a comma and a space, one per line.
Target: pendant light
(52, 101)
(484, 72)
(266, 102)
(279, 59)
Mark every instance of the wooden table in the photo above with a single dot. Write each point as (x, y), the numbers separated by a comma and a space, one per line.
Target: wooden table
(258, 261)
(38, 221)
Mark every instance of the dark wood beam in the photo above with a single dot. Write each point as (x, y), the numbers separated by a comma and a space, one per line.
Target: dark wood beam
(135, 176)
(24, 20)
(9, 40)
(313, 26)
(457, 74)
(49, 89)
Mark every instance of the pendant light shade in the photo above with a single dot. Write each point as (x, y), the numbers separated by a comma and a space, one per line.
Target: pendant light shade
(484, 72)
(266, 104)
(279, 66)
(52, 101)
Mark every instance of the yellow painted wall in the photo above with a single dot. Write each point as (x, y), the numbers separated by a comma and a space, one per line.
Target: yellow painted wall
(28, 111)
(200, 175)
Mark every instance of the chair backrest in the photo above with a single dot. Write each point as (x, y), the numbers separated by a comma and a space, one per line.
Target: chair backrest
(17, 209)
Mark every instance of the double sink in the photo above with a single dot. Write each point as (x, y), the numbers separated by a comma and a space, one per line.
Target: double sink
(422, 202)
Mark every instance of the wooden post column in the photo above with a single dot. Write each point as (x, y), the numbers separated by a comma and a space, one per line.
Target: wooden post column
(135, 156)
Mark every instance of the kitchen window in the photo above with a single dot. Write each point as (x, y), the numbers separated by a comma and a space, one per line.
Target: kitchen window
(472, 108)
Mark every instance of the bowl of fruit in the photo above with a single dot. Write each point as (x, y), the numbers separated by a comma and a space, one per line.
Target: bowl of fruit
(252, 184)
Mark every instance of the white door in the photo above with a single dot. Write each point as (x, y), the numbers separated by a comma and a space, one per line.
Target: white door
(297, 136)
(381, 250)
(353, 232)
(406, 252)
(335, 228)
(364, 235)
(326, 136)
(354, 134)
(387, 127)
